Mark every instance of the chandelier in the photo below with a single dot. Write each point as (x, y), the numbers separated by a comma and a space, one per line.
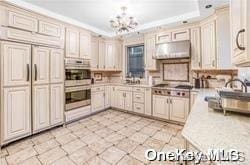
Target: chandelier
(122, 22)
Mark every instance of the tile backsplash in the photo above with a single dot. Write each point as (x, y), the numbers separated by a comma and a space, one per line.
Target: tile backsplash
(244, 73)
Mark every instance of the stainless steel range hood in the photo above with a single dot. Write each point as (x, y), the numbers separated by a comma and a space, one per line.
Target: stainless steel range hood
(173, 50)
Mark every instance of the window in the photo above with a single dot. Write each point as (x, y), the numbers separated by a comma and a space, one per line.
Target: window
(136, 61)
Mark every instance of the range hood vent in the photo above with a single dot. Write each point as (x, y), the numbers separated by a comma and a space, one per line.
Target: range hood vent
(173, 50)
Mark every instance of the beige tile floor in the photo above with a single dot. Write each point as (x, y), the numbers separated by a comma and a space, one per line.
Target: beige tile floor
(110, 137)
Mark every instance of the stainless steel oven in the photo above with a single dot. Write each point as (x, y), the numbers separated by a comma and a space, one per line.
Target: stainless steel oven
(77, 83)
(76, 97)
(77, 72)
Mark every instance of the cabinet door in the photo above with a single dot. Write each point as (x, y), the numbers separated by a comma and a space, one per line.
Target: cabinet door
(41, 107)
(120, 101)
(238, 17)
(56, 66)
(56, 104)
(107, 96)
(117, 56)
(150, 63)
(181, 35)
(50, 29)
(41, 59)
(179, 109)
(208, 45)
(97, 101)
(22, 21)
(113, 96)
(72, 43)
(16, 113)
(148, 101)
(94, 53)
(16, 60)
(101, 54)
(195, 48)
(85, 45)
(163, 37)
(109, 55)
(160, 107)
(128, 102)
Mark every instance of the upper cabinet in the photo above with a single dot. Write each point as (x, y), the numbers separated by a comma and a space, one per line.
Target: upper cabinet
(106, 55)
(208, 45)
(50, 28)
(163, 37)
(175, 35)
(149, 43)
(195, 38)
(240, 36)
(85, 45)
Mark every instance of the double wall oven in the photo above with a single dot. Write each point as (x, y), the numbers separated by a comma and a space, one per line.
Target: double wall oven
(77, 83)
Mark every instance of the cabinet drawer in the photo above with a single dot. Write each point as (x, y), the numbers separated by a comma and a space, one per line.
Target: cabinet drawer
(163, 37)
(50, 29)
(180, 35)
(136, 89)
(22, 21)
(97, 89)
(138, 97)
(139, 108)
(124, 88)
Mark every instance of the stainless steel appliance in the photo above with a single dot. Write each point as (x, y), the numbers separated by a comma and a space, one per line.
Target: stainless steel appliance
(172, 90)
(77, 84)
(173, 50)
(77, 72)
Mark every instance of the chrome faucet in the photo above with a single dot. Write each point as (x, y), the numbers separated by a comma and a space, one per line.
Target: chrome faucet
(242, 83)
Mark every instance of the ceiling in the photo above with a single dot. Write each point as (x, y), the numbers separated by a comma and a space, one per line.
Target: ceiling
(96, 14)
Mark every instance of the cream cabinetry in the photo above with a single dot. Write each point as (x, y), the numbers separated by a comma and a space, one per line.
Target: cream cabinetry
(107, 96)
(101, 54)
(56, 104)
(94, 53)
(180, 35)
(150, 62)
(16, 114)
(174, 35)
(109, 55)
(72, 43)
(97, 99)
(85, 45)
(179, 108)
(240, 36)
(114, 97)
(208, 45)
(148, 101)
(195, 39)
(171, 108)
(78, 43)
(56, 66)
(128, 101)
(162, 37)
(193, 96)
(50, 28)
(160, 107)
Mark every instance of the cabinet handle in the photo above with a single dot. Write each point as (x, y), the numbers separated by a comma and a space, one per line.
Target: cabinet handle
(35, 65)
(103, 94)
(167, 101)
(28, 72)
(170, 100)
(213, 63)
(199, 64)
(237, 39)
(97, 66)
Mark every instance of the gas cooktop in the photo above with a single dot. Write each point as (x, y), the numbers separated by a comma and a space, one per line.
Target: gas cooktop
(174, 86)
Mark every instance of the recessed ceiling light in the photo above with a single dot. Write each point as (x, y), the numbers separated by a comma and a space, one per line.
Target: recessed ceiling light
(208, 6)
(184, 22)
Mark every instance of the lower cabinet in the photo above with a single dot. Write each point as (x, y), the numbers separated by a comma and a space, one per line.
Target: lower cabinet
(16, 115)
(97, 101)
(124, 100)
(171, 108)
(178, 109)
(160, 107)
(148, 101)
(107, 98)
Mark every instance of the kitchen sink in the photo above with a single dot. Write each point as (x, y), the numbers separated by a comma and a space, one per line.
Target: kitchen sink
(235, 95)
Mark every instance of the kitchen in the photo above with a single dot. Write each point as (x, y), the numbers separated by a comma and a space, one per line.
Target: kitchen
(86, 88)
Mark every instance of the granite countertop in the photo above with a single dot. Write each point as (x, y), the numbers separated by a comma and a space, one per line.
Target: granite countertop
(122, 84)
(206, 129)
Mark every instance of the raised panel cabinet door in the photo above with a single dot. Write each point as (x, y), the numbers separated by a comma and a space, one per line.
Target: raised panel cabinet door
(22, 21)
(49, 28)
(16, 113)
(117, 56)
(85, 45)
(107, 96)
(160, 107)
(238, 17)
(109, 55)
(97, 101)
(128, 101)
(195, 48)
(41, 67)
(56, 66)
(94, 53)
(150, 62)
(16, 64)
(181, 35)
(113, 96)
(163, 37)
(179, 109)
(41, 107)
(101, 55)
(56, 104)
(148, 101)
(208, 45)
(120, 101)
(72, 43)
